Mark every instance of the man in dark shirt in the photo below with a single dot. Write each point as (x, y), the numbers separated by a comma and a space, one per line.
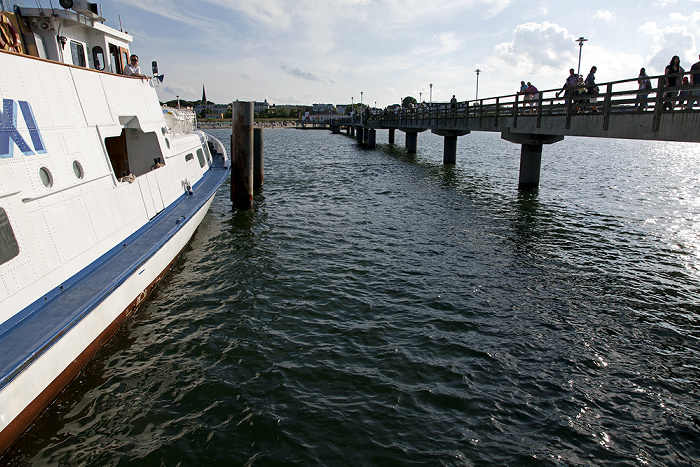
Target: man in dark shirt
(695, 80)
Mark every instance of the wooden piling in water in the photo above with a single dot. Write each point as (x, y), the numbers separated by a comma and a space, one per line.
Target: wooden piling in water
(242, 155)
(258, 169)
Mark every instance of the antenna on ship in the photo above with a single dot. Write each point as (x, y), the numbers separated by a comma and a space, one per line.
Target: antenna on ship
(120, 23)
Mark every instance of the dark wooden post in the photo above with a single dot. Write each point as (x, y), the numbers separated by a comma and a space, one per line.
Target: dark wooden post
(258, 172)
(242, 156)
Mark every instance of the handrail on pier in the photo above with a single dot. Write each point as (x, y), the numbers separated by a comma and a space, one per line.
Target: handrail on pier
(622, 96)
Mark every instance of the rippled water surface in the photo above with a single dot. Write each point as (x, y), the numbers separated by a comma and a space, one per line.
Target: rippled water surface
(379, 308)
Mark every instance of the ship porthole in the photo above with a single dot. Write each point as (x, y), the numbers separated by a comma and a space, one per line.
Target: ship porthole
(46, 177)
(78, 169)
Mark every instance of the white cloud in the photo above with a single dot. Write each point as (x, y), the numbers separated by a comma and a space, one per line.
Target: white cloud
(605, 15)
(536, 48)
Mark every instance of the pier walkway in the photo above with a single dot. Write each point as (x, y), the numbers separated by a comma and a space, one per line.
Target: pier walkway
(548, 119)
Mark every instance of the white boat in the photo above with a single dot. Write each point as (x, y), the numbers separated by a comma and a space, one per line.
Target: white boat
(100, 190)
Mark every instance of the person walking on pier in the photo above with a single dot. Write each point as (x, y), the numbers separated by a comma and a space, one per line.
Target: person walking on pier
(571, 81)
(672, 72)
(644, 90)
(590, 80)
(695, 81)
(453, 105)
(532, 96)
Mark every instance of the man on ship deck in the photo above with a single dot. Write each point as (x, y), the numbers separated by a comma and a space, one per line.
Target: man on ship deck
(133, 68)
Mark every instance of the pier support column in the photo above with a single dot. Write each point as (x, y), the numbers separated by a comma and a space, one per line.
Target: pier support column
(530, 163)
(258, 172)
(360, 135)
(411, 142)
(372, 139)
(530, 156)
(242, 155)
(449, 155)
(351, 131)
(392, 134)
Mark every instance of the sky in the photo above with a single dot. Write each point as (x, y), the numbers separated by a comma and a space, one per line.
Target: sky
(301, 52)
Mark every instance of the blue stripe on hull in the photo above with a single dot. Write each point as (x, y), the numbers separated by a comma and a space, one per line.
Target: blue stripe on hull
(37, 327)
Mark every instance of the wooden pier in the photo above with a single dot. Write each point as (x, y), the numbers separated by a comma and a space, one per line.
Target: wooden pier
(615, 112)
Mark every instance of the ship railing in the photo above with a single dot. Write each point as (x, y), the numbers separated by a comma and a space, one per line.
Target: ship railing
(180, 120)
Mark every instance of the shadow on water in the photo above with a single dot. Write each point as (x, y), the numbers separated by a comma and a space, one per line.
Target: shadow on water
(527, 219)
(399, 152)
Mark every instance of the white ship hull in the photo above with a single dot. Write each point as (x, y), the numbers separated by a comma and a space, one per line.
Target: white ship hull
(100, 190)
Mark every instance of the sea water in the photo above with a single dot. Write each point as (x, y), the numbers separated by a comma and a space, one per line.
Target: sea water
(380, 308)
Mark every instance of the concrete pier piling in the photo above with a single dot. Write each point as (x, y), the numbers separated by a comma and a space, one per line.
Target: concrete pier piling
(371, 138)
(392, 134)
(411, 142)
(530, 156)
(242, 155)
(530, 164)
(449, 155)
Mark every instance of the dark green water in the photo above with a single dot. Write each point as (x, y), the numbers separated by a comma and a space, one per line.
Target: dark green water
(379, 308)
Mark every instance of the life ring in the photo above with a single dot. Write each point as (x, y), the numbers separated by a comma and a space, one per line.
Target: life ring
(9, 37)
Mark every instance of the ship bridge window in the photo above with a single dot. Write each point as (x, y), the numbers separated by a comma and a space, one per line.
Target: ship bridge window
(98, 58)
(200, 157)
(8, 242)
(77, 52)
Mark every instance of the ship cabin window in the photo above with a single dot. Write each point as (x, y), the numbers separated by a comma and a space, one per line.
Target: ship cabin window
(189, 157)
(98, 58)
(134, 153)
(125, 58)
(77, 53)
(8, 242)
(115, 65)
(200, 157)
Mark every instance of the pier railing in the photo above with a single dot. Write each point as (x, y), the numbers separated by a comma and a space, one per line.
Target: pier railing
(623, 96)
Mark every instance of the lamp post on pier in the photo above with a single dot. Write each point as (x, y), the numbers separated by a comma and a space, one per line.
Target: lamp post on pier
(477, 83)
(580, 40)
(431, 93)
(352, 108)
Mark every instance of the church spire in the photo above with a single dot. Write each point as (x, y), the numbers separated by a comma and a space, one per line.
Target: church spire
(204, 96)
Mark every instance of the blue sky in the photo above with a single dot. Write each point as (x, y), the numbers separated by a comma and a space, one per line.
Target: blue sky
(327, 51)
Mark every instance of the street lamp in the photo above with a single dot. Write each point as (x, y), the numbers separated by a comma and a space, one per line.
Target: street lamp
(352, 108)
(431, 93)
(420, 97)
(580, 40)
(477, 83)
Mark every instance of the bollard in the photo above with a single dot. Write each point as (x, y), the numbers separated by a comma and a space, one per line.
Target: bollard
(242, 156)
(258, 169)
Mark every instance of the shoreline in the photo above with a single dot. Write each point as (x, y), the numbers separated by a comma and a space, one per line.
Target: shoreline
(213, 125)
